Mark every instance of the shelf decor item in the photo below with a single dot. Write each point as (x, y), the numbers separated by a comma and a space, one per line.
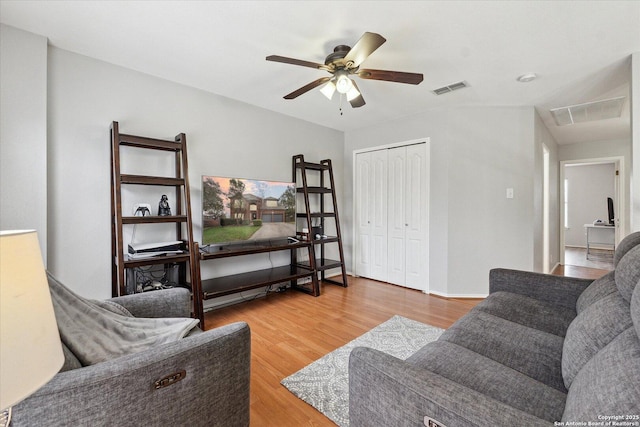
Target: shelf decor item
(163, 207)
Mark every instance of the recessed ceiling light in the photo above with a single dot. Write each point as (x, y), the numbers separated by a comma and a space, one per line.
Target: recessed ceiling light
(527, 77)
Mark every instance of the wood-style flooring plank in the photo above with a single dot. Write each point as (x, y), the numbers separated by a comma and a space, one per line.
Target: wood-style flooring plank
(580, 272)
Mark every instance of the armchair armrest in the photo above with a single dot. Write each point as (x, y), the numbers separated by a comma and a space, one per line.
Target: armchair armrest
(213, 392)
(386, 391)
(175, 302)
(558, 290)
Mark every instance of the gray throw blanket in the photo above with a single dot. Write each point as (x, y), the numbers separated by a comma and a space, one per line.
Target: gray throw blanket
(95, 333)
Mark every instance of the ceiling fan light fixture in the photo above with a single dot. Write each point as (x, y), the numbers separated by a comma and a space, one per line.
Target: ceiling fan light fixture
(328, 90)
(343, 82)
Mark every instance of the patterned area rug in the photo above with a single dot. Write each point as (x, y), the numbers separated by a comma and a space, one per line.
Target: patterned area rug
(324, 384)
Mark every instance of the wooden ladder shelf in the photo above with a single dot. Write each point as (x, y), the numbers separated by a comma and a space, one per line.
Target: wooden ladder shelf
(320, 215)
(180, 213)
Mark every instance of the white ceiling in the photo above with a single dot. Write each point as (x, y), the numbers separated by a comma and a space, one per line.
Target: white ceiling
(580, 51)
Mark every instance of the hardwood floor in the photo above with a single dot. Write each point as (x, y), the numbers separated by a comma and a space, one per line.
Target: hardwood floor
(577, 271)
(289, 330)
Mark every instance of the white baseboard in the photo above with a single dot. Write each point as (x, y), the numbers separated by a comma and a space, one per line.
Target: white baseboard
(446, 295)
(554, 267)
(227, 300)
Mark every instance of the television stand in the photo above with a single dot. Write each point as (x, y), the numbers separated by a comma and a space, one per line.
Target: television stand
(235, 283)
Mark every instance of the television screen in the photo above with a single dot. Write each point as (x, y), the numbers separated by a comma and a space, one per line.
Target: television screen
(237, 209)
(612, 215)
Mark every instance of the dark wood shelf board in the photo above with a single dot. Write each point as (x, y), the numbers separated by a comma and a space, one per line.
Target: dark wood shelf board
(330, 239)
(143, 142)
(227, 285)
(167, 259)
(314, 190)
(151, 180)
(247, 249)
(328, 264)
(317, 215)
(153, 219)
(312, 166)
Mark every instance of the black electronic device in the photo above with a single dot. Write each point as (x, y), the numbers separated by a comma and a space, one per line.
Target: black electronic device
(611, 212)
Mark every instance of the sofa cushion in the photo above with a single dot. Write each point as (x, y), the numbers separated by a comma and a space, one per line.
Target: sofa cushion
(628, 273)
(591, 331)
(528, 312)
(490, 378)
(532, 352)
(600, 288)
(630, 241)
(608, 384)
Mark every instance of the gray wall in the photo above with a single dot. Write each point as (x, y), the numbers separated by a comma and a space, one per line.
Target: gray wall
(23, 132)
(62, 176)
(224, 137)
(476, 154)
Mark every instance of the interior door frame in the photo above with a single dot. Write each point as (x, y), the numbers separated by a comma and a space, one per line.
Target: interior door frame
(620, 196)
(427, 141)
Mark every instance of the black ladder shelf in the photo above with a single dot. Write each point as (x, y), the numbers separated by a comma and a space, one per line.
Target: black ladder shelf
(320, 215)
(180, 216)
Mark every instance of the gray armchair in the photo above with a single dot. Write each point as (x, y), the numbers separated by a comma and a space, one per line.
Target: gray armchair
(213, 391)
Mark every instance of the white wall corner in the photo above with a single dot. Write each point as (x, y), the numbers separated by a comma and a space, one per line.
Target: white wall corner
(23, 132)
(635, 142)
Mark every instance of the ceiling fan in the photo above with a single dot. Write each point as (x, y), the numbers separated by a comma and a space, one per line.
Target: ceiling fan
(343, 62)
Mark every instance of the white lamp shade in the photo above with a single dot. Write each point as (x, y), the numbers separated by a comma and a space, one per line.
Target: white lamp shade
(328, 90)
(30, 349)
(353, 93)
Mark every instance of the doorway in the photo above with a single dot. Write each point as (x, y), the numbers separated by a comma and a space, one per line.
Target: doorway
(586, 186)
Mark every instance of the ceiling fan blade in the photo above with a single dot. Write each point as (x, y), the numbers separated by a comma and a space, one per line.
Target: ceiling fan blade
(307, 88)
(364, 47)
(285, 60)
(358, 101)
(391, 76)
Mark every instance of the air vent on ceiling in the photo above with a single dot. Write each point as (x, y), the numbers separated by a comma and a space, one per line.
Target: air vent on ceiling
(588, 112)
(450, 88)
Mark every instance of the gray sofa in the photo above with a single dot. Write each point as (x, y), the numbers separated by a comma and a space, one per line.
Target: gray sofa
(538, 350)
(121, 392)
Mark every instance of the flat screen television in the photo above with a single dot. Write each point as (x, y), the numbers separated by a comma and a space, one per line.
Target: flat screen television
(238, 209)
(612, 215)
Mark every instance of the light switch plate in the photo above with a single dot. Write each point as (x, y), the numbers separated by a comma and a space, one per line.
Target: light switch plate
(509, 193)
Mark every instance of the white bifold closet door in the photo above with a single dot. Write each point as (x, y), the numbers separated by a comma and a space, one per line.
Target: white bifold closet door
(371, 207)
(392, 215)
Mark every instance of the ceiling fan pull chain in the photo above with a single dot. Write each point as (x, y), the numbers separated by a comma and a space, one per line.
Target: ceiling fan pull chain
(341, 103)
